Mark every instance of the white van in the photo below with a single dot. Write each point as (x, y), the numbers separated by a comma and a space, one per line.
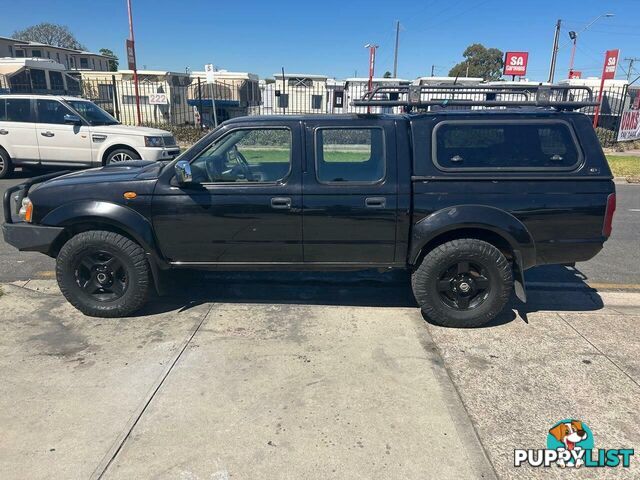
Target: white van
(72, 132)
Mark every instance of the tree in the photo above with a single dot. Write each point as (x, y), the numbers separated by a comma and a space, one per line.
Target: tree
(49, 34)
(113, 61)
(387, 74)
(479, 62)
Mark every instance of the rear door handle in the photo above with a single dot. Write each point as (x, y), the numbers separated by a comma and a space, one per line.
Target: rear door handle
(375, 202)
(281, 203)
(47, 134)
(4, 132)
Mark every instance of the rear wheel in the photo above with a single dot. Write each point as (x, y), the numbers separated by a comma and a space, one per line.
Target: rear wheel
(463, 283)
(6, 167)
(103, 274)
(121, 155)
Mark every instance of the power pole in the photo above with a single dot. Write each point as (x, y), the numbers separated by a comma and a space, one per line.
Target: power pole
(631, 61)
(433, 68)
(554, 52)
(395, 52)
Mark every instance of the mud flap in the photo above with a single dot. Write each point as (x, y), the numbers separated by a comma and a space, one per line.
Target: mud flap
(518, 277)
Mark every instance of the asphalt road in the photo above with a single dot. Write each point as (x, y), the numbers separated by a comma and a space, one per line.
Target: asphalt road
(617, 266)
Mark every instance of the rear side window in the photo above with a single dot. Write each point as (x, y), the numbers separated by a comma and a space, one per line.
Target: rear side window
(17, 110)
(350, 155)
(522, 145)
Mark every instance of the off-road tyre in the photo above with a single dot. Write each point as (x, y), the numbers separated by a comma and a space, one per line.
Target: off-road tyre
(429, 282)
(133, 273)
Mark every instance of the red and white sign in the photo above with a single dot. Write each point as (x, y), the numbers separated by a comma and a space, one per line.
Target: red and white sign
(131, 55)
(575, 74)
(515, 63)
(610, 64)
(629, 126)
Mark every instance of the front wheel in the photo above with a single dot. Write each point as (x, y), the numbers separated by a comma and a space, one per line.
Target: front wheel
(463, 283)
(121, 155)
(103, 274)
(6, 167)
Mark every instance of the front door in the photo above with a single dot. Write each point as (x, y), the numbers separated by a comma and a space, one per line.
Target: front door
(350, 192)
(244, 204)
(59, 142)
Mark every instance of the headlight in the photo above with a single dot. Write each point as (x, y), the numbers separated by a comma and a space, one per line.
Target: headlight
(26, 210)
(153, 142)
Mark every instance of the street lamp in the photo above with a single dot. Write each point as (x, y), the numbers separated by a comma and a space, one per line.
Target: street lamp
(574, 38)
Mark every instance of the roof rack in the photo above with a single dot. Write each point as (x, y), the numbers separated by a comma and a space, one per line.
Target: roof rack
(560, 97)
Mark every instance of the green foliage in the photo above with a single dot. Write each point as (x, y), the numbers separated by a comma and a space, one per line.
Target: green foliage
(185, 135)
(49, 34)
(387, 74)
(481, 62)
(113, 61)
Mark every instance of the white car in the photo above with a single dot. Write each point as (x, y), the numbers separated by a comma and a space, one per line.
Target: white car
(64, 131)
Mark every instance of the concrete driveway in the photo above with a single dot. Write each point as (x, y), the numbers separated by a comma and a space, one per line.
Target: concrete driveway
(226, 390)
(288, 376)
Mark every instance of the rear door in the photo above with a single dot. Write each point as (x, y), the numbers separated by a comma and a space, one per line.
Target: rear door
(59, 142)
(350, 191)
(18, 129)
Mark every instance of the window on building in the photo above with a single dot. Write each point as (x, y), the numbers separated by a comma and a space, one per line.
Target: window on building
(84, 63)
(247, 155)
(350, 155)
(11, 50)
(283, 100)
(19, 53)
(316, 102)
(55, 79)
(38, 79)
(58, 56)
(131, 99)
(51, 111)
(505, 146)
(36, 53)
(18, 110)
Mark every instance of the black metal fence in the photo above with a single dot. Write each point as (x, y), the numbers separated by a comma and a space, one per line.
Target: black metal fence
(183, 101)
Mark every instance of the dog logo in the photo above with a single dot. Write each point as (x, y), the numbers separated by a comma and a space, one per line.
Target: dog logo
(570, 435)
(570, 443)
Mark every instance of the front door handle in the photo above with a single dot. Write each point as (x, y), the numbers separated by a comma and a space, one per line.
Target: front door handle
(47, 134)
(4, 132)
(281, 203)
(375, 202)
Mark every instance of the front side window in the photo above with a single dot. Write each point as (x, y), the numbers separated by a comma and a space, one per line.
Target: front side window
(51, 111)
(505, 146)
(84, 63)
(18, 110)
(350, 155)
(92, 113)
(246, 156)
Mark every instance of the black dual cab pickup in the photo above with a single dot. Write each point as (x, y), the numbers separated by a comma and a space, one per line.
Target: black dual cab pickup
(466, 200)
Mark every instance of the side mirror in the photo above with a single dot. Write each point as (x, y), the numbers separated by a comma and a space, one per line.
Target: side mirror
(183, 172)
(73, 119)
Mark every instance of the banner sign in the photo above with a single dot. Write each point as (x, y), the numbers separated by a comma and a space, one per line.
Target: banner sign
(629, 125)
(131, 55)
(515, 63)
(575, 74)
(610, 64)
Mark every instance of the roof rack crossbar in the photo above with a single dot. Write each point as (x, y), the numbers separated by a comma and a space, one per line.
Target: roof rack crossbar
(561, 97)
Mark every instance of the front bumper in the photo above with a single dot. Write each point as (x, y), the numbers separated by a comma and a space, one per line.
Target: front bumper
(158, 153)
(30, 238)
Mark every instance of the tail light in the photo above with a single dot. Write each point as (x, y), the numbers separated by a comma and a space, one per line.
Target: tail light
(608, 215)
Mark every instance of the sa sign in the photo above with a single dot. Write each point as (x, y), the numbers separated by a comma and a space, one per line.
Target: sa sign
(610, 64)
(515, 63)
